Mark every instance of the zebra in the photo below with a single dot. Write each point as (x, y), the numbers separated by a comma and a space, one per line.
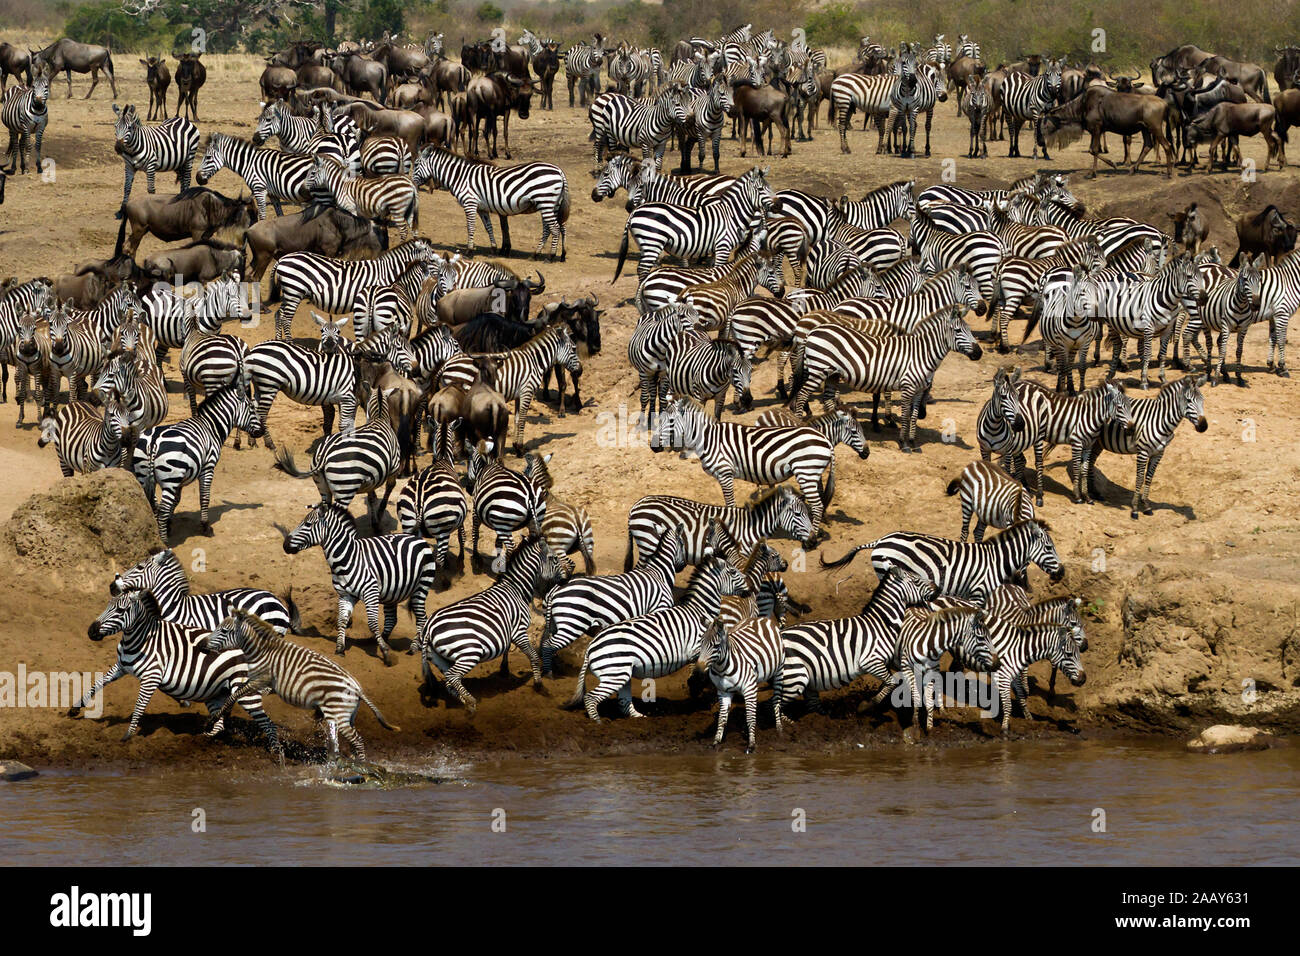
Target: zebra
(299, 676)
(646, 185)
(169, 657)
(381, 571)
(1232, 305)
(1112, 234)
(482, 187)
(168, 146)
(656, 336)
(845, 246)
(325, 377)
(925, 635)
(519, 374)
(839, 426)
(618, 120)
(85, 436)
(1009, 606)
(917, 91)
(586, 604)
(994, 498)
(877, 209)
(706, 369)
(655, 644)
(333, 285)
(75, 353)
(30, 349)
(1065, 332)
(566, 528)
(760, 321)
(1019, 645)
(210, 360)
(1017, 278)
(1154, 422)
(344, 465)
(823, 655)
(776, 510)
(903, 363)
(380, 307)
(169, 308)
(169, 457)
(707, 111)
(764, 456)
(386, 156)
(874, 95)
(163, 576)
(387, 199)
(481, 627)
(294, 132)
(582, 63)
(433, 505)
(24, 110)
(713, 291)
(970, 571)
(979, 251)
(1026, 98)
(738, 660)
(26, 298)
(631, 71)
(139, 384)
(505, 500)
(1279, 297)
(967, 47)
(946, 289)
(711, 232)
(270, 173)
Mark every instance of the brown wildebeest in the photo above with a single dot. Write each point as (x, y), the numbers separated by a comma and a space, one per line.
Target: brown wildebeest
(190, 77)
(362, 75)
(158, 78)
(1249, 76)
(68, 57)
(329, 231)
(14, 62)
(410, 95)
(299, 53)
(315, 76)
(546, 64)
(962, 72)
(82, 290)
(202, 261)
(372, 120)
(399, 61)
(194, 214)
(761, 106)
(446, 78)
(486, 98)
(1287, 106)
(1031, 64)
(1164, 69)
(1284, 71)
(1267, 232)
(437, 126)
(107, 274)
(1190, 228)
(1099, 110)
(1228, 120)
(277, 83)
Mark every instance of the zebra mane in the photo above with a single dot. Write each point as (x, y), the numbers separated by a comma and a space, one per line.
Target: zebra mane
(1013, 527)
(765, 496)
(944, 614)
(267, 636)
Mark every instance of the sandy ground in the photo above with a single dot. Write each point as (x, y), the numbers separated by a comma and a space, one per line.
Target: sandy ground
(1189, 603)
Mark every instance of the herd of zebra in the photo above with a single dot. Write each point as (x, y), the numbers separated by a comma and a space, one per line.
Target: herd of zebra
(445, 348)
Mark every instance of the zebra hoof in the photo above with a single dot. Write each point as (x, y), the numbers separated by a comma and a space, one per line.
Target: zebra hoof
(1147, 511)
(1133, 515)
(338, 651)
(1283, 373)
(73, 712)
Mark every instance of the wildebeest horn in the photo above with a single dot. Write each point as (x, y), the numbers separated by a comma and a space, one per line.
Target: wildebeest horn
(540, 285)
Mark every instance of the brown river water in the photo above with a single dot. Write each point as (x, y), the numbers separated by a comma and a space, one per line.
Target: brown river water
(1029, 802)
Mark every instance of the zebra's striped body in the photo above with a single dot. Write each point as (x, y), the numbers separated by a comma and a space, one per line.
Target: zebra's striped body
(1025, 99)
(713, 291)
(433, 505)
(1279, 297)
(520, 373)
(582, 63)
(85, 436)
(24, 111)
(76, 353)
(705, 369)
(168, 146)
(326, 376)
(506, 500)
(1232, 305)
(270, 173)
(873, 95)
(139, 384)
(992, 496)
(1017, 279)
(875, 210)
(738, 660)
(390, 199)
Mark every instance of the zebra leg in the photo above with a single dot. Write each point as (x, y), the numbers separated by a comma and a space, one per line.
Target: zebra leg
(487, 227)
(1142, 460)
(453, 677)
(205, 498)
(372, 620)
(965, 521)
(724, 711)
(1152, 464)
(522, 642)
(390, 620)
(346, 603)
(147, 687)
(1241, 344)
(349, 734)
(166, 505)
(114, 673)
(1038, 469)
(1079, 460)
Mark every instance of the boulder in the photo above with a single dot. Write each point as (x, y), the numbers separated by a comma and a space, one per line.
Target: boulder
(13, 771)
(1229, 738)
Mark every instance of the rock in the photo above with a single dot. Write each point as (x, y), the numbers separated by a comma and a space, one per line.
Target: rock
(12, 771)
(1229, 738)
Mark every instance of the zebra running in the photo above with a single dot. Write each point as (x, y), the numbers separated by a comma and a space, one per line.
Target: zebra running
(271, 174)
(992, 496)
(169, 657)
(481, 627)
(520, 373)
(299, 676)
(505, 500)
(586, 604)
(344, 465)
(85, 436)
(658, 643)
(877, 209)
(711, 232)
(433, 505)
(167, 146)
(777, 510)
(163, 576)
(24, 110)
(619, 120)
(381, 571)
(582, 63)
(1154, 421)
(388, 199)
(738, 659)
(482, 188)
(169, 457)
(764, 456)
(824, 655)
(333, 285)
(1026, 98)
(958, 569)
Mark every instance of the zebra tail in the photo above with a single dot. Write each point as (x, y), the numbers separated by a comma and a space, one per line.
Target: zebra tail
(274, 295)
(562, 214)
(375, 710)
(627, 558)
(954, 486)
(121, 233)
(574, 702)
(622, 257)
(841, 562)
(828, 491)
(284, 462)
(295, 614)
(1032, 324)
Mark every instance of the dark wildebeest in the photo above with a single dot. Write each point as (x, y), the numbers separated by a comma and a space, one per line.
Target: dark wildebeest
(301, 52)
(405, 125)
(1099, 110)
(362, 75)
(1190, 228)
(194, 214)
(1268, 231)
(190, 77)
(445, 78)
(486, 98)
(158, 78)
(81, 290)
(546, 64)
(961, 73)
(329, 231)
(1287, 105)
(1194, 98)
(14, 62)
(277, 82)
(400, 62)
(760, 107)
(1228, 120)
(202, 261)
(1165, 68)
(1284, 71)
(68, 57)
(509, 297)
(437, 126)
(1249, 76)
(1031, 64)
(315, 76)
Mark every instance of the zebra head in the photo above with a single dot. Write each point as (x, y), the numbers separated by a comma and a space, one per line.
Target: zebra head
(59, 320)
(160, 571)
(125, 613)
(758, 191)
(848, 430)
(25, 344)
(730, 578)
(770, 275)
(1194, 409)
(963, 339)
(792, 514)
(741, 371)
(1042, 550)
(908, 589)
(214, 158)
(721, 97)
(1064, 656)
(1250, 284)
(973, 641)
(126, 128)
(965, 291)
(566, 351)
(322, 523)
(1005, 403)
(1117, 407)
(616, 174)
(226, 636)
(713, 647)
(269, 122)
(247, 419)
(331, 333)
(40, 93)
(223, 299)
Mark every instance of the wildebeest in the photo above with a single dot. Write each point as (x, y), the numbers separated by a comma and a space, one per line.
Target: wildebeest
(277, 82)
(361, 75)
(191, 74)
(327, 230)
(1100, 110)
(1284, 71)
(509, 297)
(200, 261)
(760, 107)
(546, 64)
(1165, 68)
(317, 76)
(158, 78)
(486, 98)
(300, 52)
(1249, 76)
(1190, 228)
(1268, 231)
(14, 62)
(195, 214)
(399, 61)
(480, 409)
(444, 78)
(92, 280)
(68, 57)
(406, 125)
(1287, 105)
(1230, 120)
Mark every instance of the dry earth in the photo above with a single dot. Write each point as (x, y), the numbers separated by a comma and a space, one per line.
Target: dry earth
(1187, 605)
